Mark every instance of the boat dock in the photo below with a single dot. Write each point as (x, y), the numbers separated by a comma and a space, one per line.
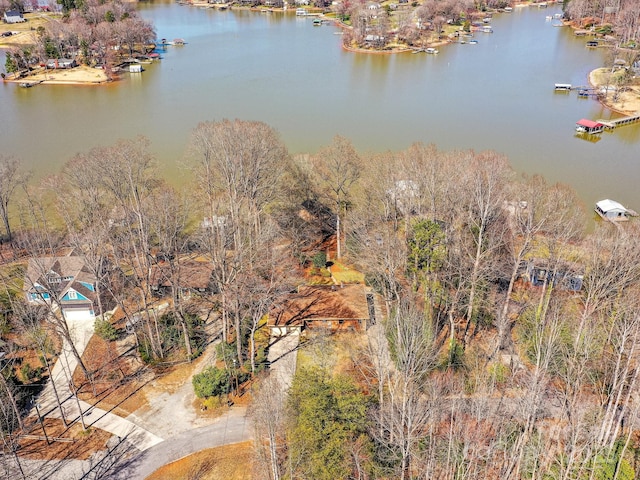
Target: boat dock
(587, 92)
(567, 87)
(620, 122)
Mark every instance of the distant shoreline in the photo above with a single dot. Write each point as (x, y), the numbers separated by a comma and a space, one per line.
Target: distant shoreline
(628, 103)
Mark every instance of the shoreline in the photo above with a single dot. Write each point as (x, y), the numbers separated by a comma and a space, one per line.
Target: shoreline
(629, 104)
(81, 75)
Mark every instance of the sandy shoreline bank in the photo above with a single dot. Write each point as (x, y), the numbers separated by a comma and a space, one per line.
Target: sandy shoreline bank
(627, 102)
(81, 75)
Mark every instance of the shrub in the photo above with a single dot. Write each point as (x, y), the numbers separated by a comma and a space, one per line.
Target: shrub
(105, 330)
(30, 374)
(212, 381)
(499, 373)
(319, 260)
(144, 349)
(26, 372)
(604, 30)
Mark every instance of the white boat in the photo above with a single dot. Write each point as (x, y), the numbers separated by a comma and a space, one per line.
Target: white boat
(473, 42)
(301, 12)
(431, 50)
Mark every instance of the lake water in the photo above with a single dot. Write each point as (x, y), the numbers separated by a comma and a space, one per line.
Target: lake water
(280, 69)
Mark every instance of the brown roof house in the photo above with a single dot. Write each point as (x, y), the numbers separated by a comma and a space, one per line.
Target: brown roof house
(191, 277)
(332, 308)
(62, 282)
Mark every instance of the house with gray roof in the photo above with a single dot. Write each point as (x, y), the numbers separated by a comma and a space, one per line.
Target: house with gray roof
(13, 16)
(64, 283)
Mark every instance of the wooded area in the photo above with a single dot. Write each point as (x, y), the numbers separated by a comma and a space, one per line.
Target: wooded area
(510, 344)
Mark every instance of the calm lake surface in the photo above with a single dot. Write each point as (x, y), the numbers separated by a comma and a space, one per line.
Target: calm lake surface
(280, 69)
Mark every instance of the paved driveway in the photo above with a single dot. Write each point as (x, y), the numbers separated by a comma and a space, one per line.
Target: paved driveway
(232, 427)
(283, 353)
(47, 405)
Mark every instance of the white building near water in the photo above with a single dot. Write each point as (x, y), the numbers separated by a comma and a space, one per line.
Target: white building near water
(13, 16)
(612, 210)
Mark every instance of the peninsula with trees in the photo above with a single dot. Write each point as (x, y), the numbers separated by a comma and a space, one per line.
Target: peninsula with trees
(97, 37)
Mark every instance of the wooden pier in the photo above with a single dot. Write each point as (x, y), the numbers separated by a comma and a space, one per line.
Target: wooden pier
(567, 87)
(620, 122)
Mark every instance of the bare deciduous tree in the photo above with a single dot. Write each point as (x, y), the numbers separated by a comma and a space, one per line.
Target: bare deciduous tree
(338, 168)
(10, 179)
(269, 415)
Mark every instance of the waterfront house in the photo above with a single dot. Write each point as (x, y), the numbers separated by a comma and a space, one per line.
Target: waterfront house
(404, 195)
(13, 16)
(61, 63)
(330, 308)
(377, 39)
(63, 283)
(189, 276)
(41, 6)
(564, 275)
(611, 210)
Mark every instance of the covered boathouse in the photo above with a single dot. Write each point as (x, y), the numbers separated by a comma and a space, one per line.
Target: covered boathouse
(611, 210)
(589, 126)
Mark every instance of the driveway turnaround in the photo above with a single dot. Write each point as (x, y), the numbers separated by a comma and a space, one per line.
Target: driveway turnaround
(232, 427)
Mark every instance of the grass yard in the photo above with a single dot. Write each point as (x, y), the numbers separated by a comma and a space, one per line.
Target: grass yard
(24, 32)
(344, 274)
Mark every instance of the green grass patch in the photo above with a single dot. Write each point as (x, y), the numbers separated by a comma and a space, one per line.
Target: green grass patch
(345, 274)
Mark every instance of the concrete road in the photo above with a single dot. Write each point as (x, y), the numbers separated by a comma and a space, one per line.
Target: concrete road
(233, 427)
(47, 405)
(124, 461)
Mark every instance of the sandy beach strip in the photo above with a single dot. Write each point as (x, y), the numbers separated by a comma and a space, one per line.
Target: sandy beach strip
(81, 75)
(627, 103)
